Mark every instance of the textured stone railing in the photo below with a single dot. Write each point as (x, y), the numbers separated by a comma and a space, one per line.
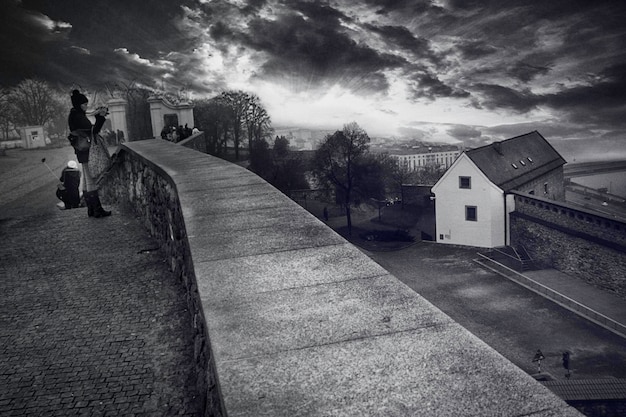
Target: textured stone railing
(292, 320)
(595, 226)
(579, 242)
(196, 141)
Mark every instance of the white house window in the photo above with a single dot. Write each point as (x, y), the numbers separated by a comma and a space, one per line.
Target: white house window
(471, 213)
(465, 182)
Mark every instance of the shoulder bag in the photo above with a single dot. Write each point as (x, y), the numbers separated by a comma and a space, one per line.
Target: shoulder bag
(80, 139)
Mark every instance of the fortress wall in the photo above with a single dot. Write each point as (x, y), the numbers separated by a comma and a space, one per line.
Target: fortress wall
(292, 320)
(579, 242)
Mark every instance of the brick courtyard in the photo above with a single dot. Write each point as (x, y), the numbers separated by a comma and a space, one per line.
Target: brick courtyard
(92, 323)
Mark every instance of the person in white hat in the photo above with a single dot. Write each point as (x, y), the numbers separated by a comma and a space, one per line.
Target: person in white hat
(70, 177)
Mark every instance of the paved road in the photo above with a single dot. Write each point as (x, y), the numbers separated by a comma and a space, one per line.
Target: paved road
(592, 202)
(92, 323)
(513, 320)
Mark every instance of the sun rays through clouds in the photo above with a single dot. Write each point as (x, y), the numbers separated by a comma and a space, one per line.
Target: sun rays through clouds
(389, 65)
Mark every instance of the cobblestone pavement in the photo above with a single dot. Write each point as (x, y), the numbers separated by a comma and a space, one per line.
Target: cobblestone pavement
(92, 323)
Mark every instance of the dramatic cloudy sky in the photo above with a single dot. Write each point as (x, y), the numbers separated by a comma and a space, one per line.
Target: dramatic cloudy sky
(446, 70)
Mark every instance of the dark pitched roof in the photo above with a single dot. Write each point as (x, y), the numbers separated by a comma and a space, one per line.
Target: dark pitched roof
(513, 162)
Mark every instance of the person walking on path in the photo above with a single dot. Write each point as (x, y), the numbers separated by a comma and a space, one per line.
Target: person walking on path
(79, 125)
(70, 177)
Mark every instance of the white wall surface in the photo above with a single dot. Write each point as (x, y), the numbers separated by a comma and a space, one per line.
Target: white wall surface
(450, 201)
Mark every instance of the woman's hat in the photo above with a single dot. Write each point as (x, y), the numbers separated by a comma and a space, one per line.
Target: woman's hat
(78, 99)
(72, 164)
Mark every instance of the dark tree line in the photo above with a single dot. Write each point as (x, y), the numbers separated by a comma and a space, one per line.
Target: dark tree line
(234, 117)
(237, 120)
(280, 166)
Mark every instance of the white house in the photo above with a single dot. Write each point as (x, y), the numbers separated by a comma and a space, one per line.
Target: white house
(471, 204)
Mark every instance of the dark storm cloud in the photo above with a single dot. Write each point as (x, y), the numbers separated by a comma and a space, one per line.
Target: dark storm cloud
(548, 128)
(462, 132)
(562, 58)
(319, 12)
(318, 51)
(493, 96)
(400, 36)
(525, 71)
(74, 42)
(253, 6)
(221, 32)
(389, 6)
(26, 36)
(424, 84)
(602, 103)
(474, 49)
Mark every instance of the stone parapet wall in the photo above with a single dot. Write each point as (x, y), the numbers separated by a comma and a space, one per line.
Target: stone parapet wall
(575, 220)
(197, 141)
(586, 245)
(149, 192)
(292, 320)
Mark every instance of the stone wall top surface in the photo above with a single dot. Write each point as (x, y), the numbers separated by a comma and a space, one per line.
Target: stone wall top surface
(303, 323)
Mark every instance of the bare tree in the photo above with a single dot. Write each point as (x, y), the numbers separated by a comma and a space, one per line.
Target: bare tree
(337, 161)
(232, 115)
(237, 102)
(34, 103)
(257, 120)
(6, 113)
(212, 116)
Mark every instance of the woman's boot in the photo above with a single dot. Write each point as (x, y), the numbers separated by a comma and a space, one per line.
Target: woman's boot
(94, 207)
(88, 199)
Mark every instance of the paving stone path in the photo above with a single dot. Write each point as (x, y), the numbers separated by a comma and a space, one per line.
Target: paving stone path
(92, 323)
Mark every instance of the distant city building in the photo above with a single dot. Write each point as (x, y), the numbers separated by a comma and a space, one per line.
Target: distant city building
(414, 160)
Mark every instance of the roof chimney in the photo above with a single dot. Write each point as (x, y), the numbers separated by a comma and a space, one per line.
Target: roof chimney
(497, 146)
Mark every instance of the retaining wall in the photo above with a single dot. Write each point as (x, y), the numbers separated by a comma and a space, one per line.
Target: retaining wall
(582, 243)
(292, 320)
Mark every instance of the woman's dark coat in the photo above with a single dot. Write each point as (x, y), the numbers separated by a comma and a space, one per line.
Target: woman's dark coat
(77, 120)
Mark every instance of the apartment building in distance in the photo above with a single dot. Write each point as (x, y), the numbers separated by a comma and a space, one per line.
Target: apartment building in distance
(415, 158)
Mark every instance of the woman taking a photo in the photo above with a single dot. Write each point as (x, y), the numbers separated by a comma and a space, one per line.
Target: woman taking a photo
(80, 129)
